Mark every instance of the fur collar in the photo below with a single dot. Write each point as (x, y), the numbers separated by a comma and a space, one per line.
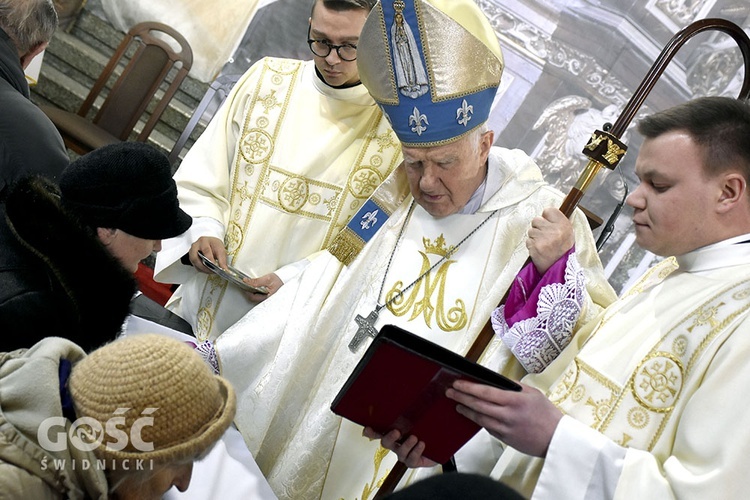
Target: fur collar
(98, 287)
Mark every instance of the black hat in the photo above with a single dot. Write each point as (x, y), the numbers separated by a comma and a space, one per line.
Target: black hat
(125, 186)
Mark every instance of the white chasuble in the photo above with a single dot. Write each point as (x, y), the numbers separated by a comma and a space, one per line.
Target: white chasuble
(438, 307)
(280, 170)
(289, 356)
(659, 374)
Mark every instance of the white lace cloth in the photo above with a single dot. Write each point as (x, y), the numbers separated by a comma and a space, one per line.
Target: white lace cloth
(538, 340)
(208, 353)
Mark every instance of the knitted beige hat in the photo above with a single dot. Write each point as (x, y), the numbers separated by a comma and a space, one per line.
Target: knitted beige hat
(158, 392)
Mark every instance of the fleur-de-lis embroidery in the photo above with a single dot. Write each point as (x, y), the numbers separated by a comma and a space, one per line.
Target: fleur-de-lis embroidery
(416, 120)
(463, 114)
(369, 220)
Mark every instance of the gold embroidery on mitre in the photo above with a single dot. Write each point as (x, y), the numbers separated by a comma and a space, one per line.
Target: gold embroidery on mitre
(445, 41)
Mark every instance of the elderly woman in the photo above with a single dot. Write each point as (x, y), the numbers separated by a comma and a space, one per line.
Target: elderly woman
(125, 422)
(86, 237)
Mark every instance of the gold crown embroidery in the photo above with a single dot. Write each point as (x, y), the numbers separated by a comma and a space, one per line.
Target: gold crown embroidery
(437, 247)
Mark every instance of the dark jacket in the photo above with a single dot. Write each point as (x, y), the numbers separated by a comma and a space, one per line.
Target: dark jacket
(80, 292)
(29, 144)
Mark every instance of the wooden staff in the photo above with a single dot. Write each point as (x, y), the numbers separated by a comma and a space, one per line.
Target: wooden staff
(604, 149)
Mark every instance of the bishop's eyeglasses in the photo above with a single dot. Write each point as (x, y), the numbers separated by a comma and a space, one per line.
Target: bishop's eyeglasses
(321, 48)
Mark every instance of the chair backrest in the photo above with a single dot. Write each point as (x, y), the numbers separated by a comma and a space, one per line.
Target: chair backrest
(215, 95)
(152, 60)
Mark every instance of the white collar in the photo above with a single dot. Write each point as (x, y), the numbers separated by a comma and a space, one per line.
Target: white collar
(730, 252)
(476, 199)
(489, 186)
(356, 94)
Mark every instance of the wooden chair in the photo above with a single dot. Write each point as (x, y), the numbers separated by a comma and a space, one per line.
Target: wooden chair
(152, 60)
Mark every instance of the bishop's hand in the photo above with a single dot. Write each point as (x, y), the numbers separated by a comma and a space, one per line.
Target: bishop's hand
(549, 238)
(409, 451)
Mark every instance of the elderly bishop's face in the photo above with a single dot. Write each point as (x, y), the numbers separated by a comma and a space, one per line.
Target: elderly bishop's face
(443, 178)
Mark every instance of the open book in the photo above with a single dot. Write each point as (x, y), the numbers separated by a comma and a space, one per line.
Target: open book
(400, 384)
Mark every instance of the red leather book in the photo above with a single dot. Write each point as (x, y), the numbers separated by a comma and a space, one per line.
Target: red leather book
(400, 383)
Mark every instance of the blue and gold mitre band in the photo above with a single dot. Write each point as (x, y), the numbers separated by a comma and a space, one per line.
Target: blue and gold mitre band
(433, 66)
(434, 123)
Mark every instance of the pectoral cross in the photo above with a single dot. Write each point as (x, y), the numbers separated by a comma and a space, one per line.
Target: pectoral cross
(365, 327)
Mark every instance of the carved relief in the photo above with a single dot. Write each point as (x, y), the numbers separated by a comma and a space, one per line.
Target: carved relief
(568, 123)
(716, 68)
(681, 12)
(532, 39)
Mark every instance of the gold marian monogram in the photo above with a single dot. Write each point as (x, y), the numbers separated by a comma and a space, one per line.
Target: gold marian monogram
(372, 487)
(427, 296)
